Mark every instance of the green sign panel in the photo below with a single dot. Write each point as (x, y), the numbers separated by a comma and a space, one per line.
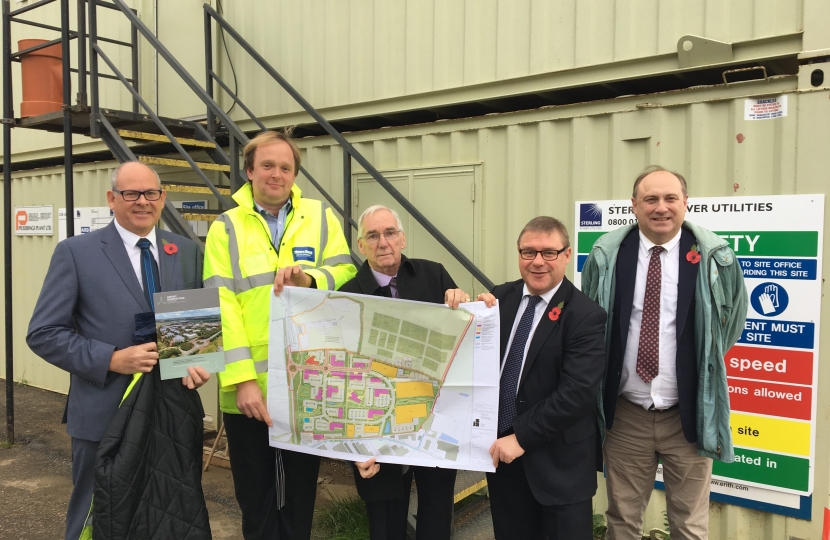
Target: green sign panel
(747, 243)
(766, 468)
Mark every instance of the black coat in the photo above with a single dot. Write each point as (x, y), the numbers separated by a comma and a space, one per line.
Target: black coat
(148, 471)
(556, 404)
(417, 279)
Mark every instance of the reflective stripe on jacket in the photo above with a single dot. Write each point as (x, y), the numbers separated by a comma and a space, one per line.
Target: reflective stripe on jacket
(241, 262)
(721, 303)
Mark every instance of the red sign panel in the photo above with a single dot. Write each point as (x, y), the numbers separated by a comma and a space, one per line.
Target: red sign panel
(766, 364)
(772, 399)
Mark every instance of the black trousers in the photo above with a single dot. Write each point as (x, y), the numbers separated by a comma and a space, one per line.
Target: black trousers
(253, 466)
(517, 514)
(436, 488)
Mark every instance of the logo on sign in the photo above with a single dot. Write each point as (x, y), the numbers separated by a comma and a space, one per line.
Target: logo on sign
(303, 254)
(21, 218)
(194, 205)
(590, 215)
(769, 299)
(85, 230)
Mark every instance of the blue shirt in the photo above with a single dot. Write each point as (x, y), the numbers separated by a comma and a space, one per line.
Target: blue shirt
(276, 224)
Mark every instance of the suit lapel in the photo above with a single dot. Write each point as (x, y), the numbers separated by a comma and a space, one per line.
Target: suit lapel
(546, 326)
(686, 278)
(113, 247)
(508, 307)
(168, 264)
(626, 278)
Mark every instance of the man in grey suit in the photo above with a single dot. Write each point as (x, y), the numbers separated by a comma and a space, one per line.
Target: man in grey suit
(84, 319)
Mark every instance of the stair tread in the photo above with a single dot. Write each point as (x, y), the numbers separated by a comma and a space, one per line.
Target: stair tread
(171, 162)
(181, 187)
(155, 137)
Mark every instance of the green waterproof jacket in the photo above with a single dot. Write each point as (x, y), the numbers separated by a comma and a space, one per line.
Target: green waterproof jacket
(720, 313)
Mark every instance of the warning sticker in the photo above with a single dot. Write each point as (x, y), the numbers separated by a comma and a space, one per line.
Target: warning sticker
(765, 109)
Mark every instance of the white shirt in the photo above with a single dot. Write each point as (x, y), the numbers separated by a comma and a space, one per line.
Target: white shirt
(130, 240)
(662, 390)
(541, 307)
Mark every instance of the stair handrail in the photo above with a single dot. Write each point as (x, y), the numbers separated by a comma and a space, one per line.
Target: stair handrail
(348, 148)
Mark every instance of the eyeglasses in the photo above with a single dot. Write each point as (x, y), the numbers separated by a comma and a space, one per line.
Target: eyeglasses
(374, 237)
(133, 195)
(547, 254)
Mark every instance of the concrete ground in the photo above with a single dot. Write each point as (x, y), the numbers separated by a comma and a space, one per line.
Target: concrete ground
(35, 478)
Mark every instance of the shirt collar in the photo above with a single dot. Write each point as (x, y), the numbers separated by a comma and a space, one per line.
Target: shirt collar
(382, 279)
(265, 212)
(546, 297)
(668, 246)
(130, 238)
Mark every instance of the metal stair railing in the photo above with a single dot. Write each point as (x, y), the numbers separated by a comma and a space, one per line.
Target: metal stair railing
(102, 127)
(348, 150)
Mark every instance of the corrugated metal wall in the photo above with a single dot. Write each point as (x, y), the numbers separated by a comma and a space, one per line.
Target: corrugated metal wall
(396, 48)
(31, 256)
(539, 162)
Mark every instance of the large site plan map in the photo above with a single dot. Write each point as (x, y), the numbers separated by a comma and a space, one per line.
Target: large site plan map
(353, 376)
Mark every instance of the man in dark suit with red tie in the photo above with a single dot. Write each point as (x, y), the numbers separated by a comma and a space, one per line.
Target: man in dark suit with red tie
(553, 358)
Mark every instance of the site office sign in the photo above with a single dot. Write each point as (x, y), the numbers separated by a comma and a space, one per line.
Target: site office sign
(33, 220)
(772, 371)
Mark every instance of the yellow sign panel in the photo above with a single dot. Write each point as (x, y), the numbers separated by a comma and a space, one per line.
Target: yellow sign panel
(776, 434)
(385, 369)
(413, 389)
(405, 413)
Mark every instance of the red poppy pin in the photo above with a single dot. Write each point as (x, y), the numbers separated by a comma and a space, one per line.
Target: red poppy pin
(693, 256)
(556, 312)
(170, 248)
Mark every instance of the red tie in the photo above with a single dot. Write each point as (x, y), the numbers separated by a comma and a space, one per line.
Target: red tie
(648, 352)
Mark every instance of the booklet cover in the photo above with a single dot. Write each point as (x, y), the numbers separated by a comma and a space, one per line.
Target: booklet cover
(189, 329)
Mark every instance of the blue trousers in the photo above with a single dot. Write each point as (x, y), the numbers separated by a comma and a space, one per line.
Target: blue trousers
(83, 480)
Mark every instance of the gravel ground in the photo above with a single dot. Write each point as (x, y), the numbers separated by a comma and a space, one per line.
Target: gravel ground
(35, 478)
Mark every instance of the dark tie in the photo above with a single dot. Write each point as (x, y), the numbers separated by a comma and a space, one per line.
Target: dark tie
(513, 366)
(393, 286)
(149, 271)
(648, 351)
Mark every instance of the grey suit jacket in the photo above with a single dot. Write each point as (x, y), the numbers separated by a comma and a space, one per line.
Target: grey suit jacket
(86, 311)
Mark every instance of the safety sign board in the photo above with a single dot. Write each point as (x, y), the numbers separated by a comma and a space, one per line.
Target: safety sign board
(87, 219)
(765, 108)
(33, 220)
(772, 371)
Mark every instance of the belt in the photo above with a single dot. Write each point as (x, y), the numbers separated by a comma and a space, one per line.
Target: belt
(667, 409)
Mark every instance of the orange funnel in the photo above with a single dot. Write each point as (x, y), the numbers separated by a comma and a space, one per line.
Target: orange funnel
(42, 78)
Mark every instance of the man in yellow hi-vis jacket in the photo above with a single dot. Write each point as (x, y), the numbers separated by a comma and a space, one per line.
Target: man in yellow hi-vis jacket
(274, 237)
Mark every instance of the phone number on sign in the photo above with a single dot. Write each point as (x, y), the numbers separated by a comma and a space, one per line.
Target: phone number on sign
(622, 221)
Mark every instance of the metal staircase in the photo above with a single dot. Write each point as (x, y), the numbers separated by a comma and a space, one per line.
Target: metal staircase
(141, 135)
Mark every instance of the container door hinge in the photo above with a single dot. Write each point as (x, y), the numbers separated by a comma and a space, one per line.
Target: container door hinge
(473, 191)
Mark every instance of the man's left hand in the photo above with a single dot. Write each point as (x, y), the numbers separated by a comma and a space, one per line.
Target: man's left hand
(198, 376)
(506, 449)
(290, 275)
(453, 297)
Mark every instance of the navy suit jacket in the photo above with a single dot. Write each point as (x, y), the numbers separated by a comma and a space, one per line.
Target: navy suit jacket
(686, 359)
(556, 404)
(86, 310)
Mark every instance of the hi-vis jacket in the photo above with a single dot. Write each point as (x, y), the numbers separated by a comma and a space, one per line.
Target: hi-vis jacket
(241, 262)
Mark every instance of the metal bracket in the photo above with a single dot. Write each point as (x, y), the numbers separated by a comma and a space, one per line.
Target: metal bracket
(7, 121)
(694, 51)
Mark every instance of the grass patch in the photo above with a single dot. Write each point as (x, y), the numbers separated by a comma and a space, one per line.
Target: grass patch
(5, 445)
(344, 519)
(599, 526)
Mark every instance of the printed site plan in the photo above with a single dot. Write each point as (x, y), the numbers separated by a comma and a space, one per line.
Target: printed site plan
(353, 376)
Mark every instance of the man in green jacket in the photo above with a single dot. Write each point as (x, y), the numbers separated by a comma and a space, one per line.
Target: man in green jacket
(676, 301)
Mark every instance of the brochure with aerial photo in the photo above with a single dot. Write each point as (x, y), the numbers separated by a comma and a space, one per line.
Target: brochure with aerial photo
(189, 330)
